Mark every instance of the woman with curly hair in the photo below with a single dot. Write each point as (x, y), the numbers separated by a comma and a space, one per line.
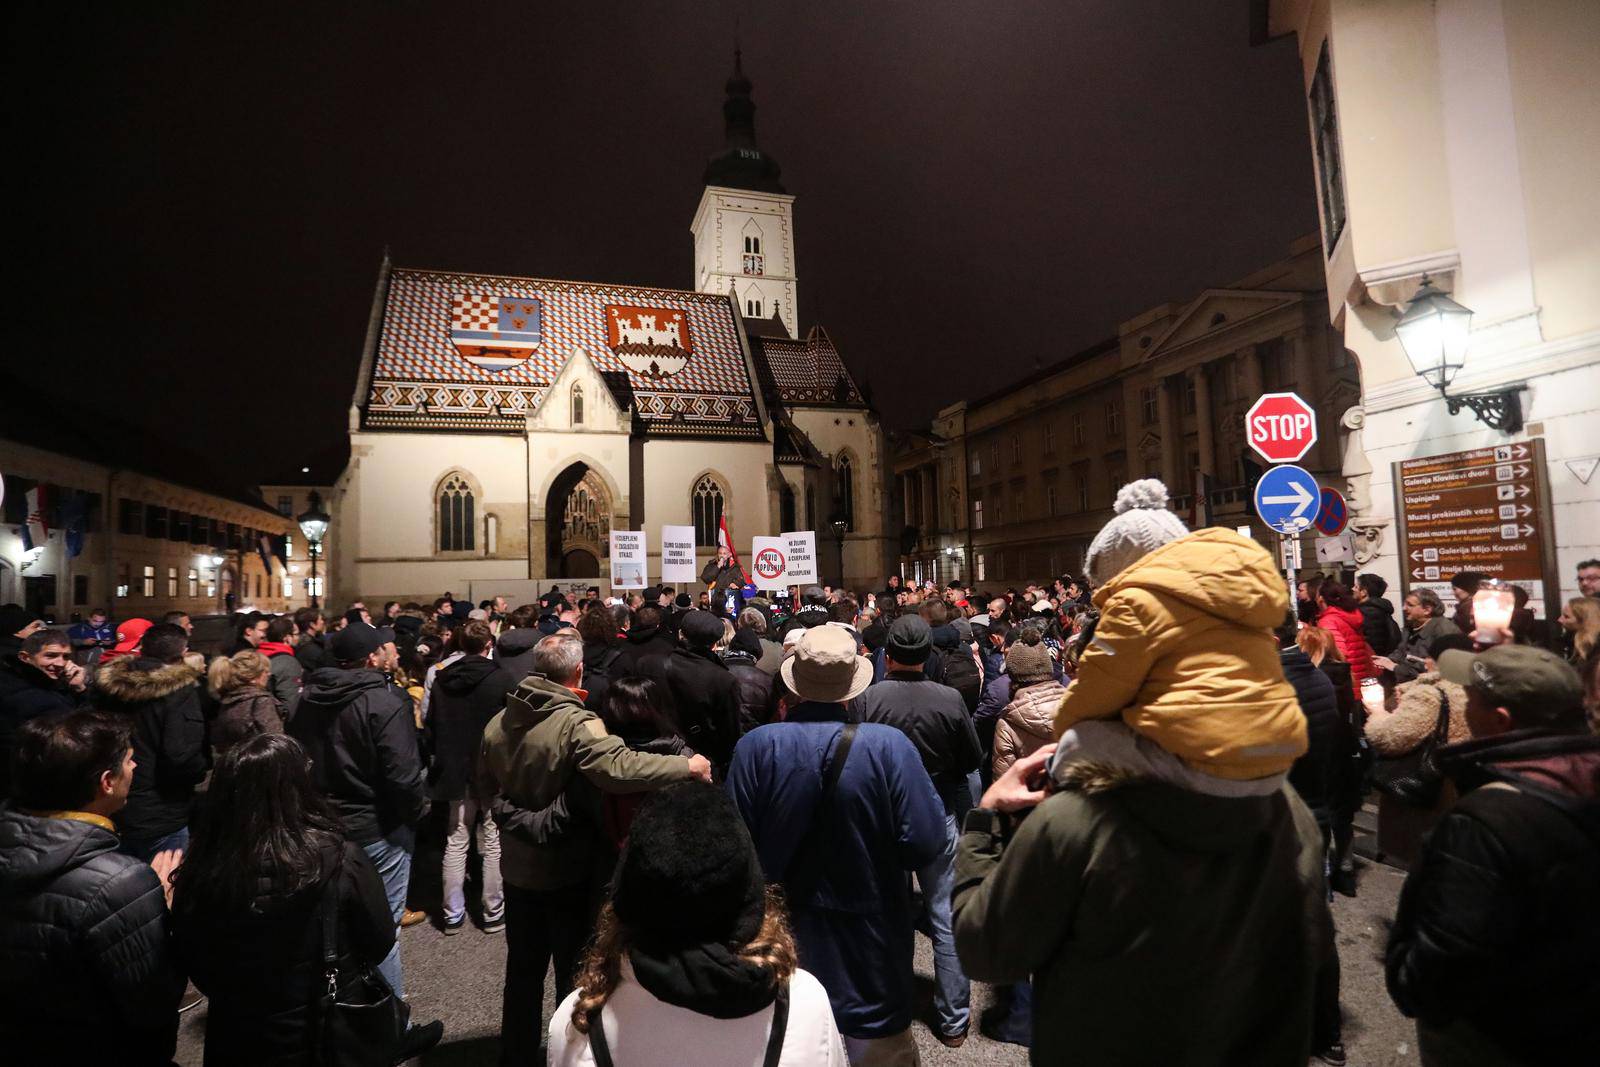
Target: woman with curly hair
(692, 958)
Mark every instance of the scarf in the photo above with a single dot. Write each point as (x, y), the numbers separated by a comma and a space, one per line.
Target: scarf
(707, 979)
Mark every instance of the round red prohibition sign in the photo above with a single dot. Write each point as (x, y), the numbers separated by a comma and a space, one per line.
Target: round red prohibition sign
(769, 563)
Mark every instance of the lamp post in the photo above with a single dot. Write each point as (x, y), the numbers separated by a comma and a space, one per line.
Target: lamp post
(1434, 332)
(314, 524)
(839, 527)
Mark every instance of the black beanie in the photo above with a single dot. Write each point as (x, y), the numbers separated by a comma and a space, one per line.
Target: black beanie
(689, 874)
(746, 641)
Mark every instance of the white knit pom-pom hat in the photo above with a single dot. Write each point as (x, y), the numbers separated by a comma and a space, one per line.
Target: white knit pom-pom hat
(1142, 525)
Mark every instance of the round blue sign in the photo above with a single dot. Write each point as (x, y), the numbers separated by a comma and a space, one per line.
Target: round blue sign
(1334, 514)
(1286, 498)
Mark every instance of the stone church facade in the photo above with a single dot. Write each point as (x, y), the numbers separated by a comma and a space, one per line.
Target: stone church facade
(502, 426)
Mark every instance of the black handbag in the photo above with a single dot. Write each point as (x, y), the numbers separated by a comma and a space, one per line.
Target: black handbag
(359, 1021)
(1415, 778)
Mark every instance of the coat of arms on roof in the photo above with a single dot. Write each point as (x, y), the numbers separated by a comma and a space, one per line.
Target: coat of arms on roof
(496, 332)
(651, 341)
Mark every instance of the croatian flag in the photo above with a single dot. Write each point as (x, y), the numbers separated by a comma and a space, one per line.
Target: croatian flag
(36, 531)
(725, 539)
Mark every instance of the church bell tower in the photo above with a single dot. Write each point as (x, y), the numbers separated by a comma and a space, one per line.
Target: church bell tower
(744, 227)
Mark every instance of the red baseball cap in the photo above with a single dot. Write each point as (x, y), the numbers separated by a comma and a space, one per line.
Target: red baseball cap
(129, 633)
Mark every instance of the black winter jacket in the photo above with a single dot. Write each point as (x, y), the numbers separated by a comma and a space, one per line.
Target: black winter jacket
(358, 730)
(514, 651)
(261, 966)
(169, 741)
(1312, 775)
(86, 971)
(1497, 931)
(757, 705)
(313, 654)
(1378, 625)
(705, 697)
(644, 642)
(25, 693)
(466, 695)
(935, 718)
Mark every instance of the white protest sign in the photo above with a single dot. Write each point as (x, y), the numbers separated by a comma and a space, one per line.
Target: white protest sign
(769, 562)
(627, 559)
(801, 553)
(677, 554)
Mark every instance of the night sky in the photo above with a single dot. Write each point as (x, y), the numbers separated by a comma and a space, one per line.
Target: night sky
(203, 195)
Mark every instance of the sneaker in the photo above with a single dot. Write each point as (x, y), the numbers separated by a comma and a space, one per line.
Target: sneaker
(191, 998)
(952, 1040)
(1343, 881)
(419, 1039)
(494, 926)
(412, 918)
(1332, 1055)
(451, 928)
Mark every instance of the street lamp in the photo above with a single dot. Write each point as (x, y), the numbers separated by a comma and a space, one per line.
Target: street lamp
(1434, 332)
(314, 524)
(839, 527)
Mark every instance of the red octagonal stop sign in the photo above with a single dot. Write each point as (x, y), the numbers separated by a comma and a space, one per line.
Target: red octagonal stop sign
(1281, 427)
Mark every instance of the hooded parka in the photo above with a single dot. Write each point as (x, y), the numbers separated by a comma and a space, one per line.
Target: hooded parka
(169, 741)
(1184, 653)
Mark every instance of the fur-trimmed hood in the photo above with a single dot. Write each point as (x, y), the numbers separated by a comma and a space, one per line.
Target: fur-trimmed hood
(139, 680)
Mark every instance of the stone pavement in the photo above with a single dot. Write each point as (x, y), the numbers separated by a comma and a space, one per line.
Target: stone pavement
(458, 979)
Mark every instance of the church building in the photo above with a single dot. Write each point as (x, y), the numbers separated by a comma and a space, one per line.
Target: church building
(502, 426)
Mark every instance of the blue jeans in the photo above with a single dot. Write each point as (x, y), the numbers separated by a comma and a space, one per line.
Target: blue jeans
(392, 857)
(952, 995)
(146, 850)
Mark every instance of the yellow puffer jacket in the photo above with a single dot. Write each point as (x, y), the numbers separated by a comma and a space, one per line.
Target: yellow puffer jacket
(1184, 652)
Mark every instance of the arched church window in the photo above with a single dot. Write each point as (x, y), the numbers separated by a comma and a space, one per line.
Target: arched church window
(786, 510)
(457, 524)
(844, 490)
(752, 308)
(577, 405)
(707, 508)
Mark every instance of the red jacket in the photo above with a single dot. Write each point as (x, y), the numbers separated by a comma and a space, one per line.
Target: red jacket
(1346, 629)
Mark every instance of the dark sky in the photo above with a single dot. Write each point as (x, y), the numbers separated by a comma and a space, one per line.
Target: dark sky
(204, 193)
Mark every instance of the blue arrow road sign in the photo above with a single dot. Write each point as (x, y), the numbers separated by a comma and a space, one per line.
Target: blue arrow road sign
(1287, 499)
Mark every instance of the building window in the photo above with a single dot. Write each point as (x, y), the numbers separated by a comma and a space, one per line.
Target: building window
(122, 580)
(1077, 429)
(288, 587)
(285, 505)
(194, 582)
(491, 534)
(1189, 393)
(994, 455)
(752, 309)
(1049, 437)
(977, 462)
(753, 262)
(786, 510)
(1016, 449)
(457, 524)
(130, 517)
(80, 589)
(577, 405)
(977, 516)
(707, 508)
(983, 570)
(1149, 405)
(1113, 418)
(844, 490)
(172, 582)
(1050, 499)
(155, 522)
(999, 510)
(1083, 490)
(1325, 143)
(1275, 376)
(149, 585)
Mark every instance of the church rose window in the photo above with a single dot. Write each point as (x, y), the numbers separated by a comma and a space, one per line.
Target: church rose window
(456, 522)
(707, 507)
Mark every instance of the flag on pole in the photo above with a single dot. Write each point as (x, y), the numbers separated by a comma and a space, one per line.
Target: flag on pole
(75, 520)
(725, 539)
(36, 531)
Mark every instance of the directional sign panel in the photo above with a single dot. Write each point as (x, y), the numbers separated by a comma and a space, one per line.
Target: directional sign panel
(1286, 499)
(1481, 510)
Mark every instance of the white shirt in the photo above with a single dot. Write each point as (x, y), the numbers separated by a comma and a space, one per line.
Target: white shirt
(642, 1031)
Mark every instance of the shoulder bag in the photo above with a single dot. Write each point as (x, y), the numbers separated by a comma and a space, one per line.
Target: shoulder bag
(359, 1019)
(804, 873)
(1415, 778)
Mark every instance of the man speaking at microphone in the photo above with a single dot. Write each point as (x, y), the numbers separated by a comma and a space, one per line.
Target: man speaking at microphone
(723, 577)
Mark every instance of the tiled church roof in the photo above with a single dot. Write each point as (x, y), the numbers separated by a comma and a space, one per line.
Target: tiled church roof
(808, 372)
(423, 377)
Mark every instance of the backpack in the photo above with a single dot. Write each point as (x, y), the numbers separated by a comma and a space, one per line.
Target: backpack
(960, 673)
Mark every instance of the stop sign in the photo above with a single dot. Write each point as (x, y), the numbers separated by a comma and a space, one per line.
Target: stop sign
(1281, 427)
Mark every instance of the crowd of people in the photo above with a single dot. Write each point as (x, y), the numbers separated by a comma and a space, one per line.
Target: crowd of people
(1125, 799)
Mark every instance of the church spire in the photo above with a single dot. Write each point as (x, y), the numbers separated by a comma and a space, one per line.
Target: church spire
(742, 165)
